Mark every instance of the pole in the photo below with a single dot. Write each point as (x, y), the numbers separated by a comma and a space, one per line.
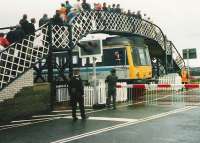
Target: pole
(50, 68)
(70, 51)
(188, 70)
(95, 80)
(172, 62)
(166, 62)
(165, 47)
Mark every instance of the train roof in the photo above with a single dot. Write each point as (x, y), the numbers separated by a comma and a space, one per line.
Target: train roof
(119, 40)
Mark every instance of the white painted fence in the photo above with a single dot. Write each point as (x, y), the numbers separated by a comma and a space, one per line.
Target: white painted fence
(172, 78)
(91, 98)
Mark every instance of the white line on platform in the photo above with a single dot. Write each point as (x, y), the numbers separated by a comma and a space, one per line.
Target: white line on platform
(32, 120)
(60, 111)
(24, 124)
(54, 115)
(39, 116)
(73, 138)
(107, 119)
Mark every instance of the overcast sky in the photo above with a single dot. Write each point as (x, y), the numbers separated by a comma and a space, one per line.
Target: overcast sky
(179, 19)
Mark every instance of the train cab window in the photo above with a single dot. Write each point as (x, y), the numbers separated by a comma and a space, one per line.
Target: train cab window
(113, 57)
(141, 56)
(148, 59)
(136, 58)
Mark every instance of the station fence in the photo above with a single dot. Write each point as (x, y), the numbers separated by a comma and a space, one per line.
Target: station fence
(150, 94)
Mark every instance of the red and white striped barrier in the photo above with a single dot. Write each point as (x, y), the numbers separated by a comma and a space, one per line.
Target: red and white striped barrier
(148, 86)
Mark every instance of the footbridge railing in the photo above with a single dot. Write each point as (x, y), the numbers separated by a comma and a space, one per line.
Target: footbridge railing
(88, 22)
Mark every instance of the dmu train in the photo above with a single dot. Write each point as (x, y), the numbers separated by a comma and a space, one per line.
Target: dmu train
(129, 56)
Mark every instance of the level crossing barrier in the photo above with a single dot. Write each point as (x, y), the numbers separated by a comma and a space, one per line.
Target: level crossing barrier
(154, 94)
(150, 94)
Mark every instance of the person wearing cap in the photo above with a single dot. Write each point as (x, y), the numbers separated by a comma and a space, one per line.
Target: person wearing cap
(76, 91)
(111, 80)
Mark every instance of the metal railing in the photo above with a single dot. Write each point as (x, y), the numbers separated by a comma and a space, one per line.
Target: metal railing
(19, 57)
(88, 22)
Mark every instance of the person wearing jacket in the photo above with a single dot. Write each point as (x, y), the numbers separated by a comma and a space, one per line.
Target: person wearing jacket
(76, 91)
(24, 24)
(43, 20)
(111, 80)
(86, 6)
(3, 41)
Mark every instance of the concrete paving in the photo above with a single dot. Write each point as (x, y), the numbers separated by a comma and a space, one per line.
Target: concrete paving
(157, 123)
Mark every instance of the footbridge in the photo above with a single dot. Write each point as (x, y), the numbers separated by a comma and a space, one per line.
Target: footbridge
(19, 59)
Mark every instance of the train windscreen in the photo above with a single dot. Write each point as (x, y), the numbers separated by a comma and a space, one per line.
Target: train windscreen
(141, 56)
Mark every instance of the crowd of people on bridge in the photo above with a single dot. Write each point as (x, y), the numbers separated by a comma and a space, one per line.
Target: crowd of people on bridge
(67, 11)
(17, 33)
(62, 16)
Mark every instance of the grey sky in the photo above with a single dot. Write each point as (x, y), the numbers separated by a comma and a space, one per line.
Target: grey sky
(179, 19)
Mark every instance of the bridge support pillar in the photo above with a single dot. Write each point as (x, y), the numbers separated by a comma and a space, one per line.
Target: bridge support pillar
(50, 69)
(70, 51)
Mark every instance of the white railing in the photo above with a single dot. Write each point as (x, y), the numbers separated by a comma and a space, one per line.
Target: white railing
(90, 97)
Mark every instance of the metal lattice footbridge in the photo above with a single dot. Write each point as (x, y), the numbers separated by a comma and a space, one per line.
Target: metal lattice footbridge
(22, 56)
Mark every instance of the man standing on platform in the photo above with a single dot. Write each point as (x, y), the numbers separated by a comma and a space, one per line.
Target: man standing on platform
(112, 81)
(76, 91)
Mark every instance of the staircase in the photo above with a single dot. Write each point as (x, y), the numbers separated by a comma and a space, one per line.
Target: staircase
(14, 87)
(17, 60)
(177, 61)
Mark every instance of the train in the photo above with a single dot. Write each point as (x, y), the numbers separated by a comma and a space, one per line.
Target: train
(129, 56)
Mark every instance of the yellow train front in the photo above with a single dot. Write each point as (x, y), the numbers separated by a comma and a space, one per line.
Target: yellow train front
(128, 55)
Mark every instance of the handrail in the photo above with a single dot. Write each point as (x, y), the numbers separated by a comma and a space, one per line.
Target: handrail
(160, 31)
(101, 12)
(23, 38)
(4, 28)
(177, 52)
(10, 50)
